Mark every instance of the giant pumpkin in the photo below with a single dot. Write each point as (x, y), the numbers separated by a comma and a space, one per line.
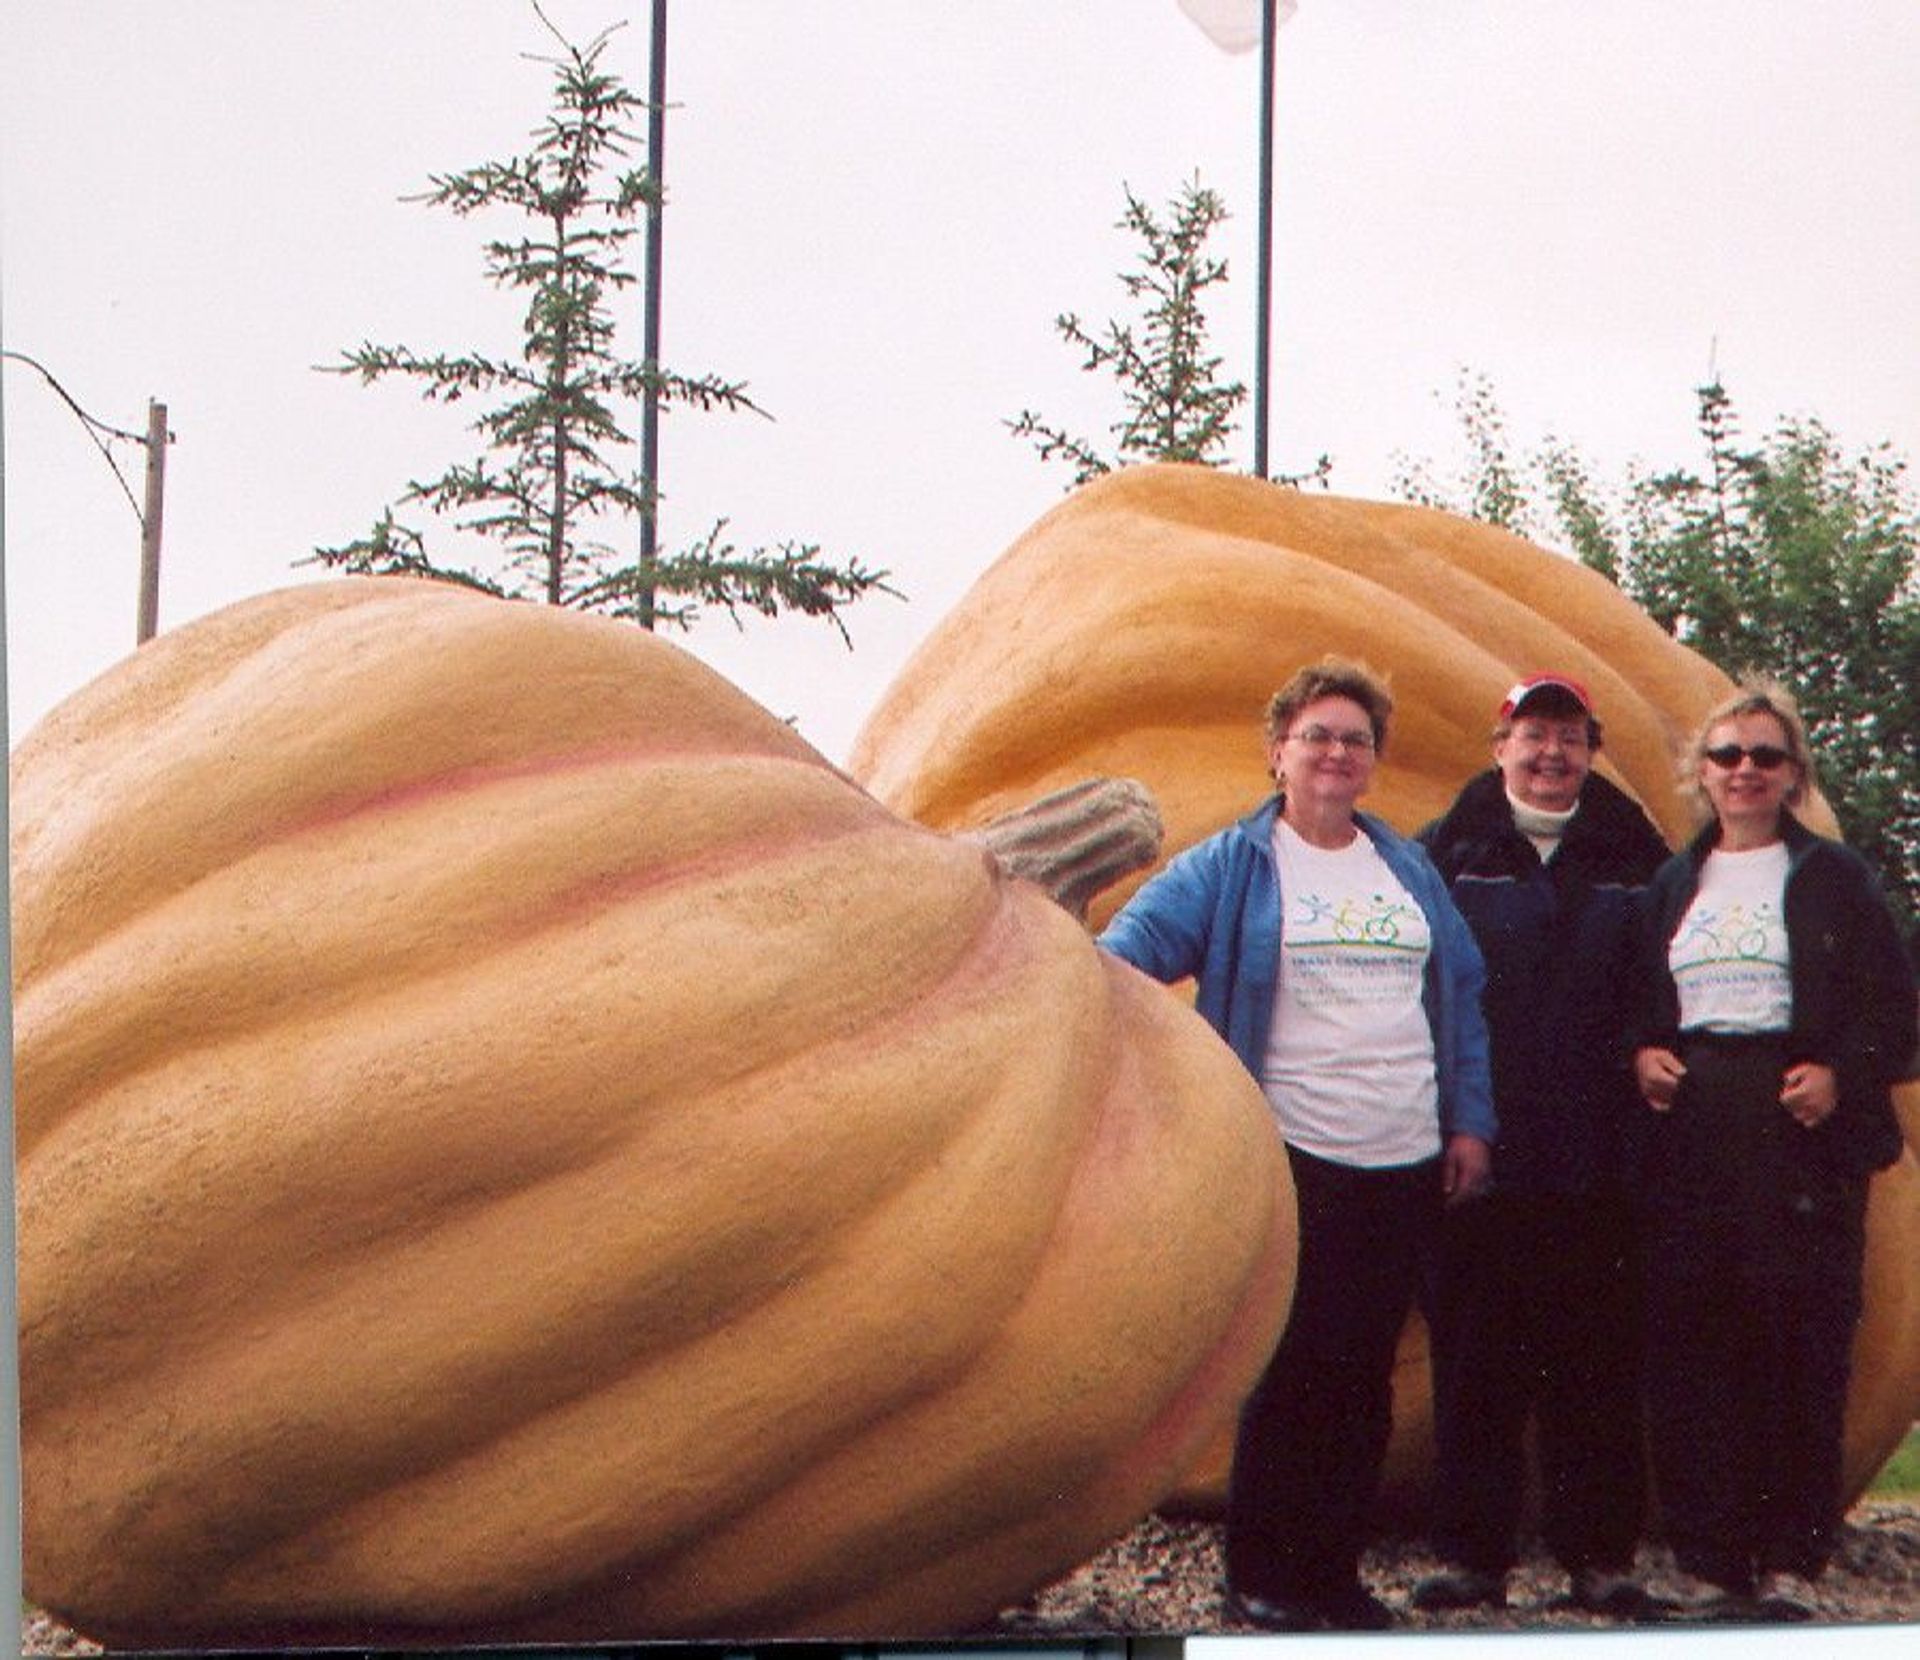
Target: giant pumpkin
(511, 1144)
(1139, 629)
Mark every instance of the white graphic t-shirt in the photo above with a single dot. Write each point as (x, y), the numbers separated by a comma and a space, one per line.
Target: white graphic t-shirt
(1349, 1064)
(1729, 955)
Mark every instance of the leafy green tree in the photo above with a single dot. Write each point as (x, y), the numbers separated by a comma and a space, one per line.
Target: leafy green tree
(1790, 556)
(1175, 405)
(1487, 484)
(551, 482)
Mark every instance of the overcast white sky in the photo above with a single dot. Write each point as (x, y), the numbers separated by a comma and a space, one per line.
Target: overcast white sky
(876, 209)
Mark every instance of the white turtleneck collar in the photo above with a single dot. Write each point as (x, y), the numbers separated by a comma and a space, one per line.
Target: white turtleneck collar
(1541, 827)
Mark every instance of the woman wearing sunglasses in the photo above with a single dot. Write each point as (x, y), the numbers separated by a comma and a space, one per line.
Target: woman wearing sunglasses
(1778, 1009)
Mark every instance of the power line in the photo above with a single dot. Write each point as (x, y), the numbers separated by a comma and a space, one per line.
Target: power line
(154, 442)
(94, 427)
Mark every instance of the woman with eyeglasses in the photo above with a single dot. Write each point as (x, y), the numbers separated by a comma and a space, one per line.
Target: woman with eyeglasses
(1778, 1011)
(1327, 953)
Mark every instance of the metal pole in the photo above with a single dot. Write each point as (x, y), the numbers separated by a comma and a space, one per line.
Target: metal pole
(650, 350)
(1263, 325)
(149, 618)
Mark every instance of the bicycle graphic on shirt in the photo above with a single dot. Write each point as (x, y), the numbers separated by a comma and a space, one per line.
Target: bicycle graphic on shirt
(1735, 935)
(1374, 920)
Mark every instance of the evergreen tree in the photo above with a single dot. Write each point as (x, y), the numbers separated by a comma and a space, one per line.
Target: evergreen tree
(1175, 405)
(551, 484)
(1791, 557)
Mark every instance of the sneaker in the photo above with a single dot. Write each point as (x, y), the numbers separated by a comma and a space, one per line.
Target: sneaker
(1271, 1614)
(1617, 1596)
(1690, 1598)
(1786, 1596)
(1354, 1608)
(1349, 1608)
(1461, 1588)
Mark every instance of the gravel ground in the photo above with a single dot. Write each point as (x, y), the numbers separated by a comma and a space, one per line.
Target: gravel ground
(1165, 1578)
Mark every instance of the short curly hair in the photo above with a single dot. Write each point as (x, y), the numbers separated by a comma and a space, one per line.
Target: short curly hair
(1331, 677)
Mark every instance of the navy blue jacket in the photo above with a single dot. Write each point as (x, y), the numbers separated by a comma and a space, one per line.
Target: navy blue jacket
(1853, 1002)
(1558, 940)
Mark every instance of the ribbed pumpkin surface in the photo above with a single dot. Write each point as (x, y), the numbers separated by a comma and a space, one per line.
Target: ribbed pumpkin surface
(512, 1144)
(1139, 629)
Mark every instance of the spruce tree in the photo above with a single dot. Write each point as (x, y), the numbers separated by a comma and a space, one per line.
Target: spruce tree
(1175, 406)
(552, 486)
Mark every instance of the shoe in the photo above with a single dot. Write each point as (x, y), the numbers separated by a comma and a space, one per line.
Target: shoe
(1692, 1600)
(1270, 1614)
(1786, 1596)
(1617, 1596)
(1461, 1588)
(1354, 1608)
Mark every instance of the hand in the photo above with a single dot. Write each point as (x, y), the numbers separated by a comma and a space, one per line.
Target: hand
(1809, 1092)
(1464, 1167)
(1658, 1073)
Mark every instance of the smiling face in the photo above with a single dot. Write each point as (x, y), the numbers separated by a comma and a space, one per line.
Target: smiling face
(1545, 759)
(1325, 759)
(1746, 796)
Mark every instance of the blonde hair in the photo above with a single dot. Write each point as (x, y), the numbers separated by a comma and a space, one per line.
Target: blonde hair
(1331, 677)
(1752, 695)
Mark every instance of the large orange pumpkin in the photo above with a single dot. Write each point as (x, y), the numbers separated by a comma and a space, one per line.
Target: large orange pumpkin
(1140, 627)
(513, 1145)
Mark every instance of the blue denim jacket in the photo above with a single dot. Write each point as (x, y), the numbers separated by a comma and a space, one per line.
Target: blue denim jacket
(1214, 914)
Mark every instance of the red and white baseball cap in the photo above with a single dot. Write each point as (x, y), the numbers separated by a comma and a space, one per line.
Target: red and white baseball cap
(1535, 683)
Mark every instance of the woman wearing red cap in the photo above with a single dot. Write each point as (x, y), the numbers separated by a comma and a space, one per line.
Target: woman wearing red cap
(1536, 1302)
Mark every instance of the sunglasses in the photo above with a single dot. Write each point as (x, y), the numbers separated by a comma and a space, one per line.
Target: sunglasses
(1767, 757)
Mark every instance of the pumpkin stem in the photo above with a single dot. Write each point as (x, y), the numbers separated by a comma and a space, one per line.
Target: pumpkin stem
(1077, 841)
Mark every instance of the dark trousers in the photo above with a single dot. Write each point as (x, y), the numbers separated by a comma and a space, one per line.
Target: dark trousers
(1535, 1315)
(1313, 1434)
(1753, 1256)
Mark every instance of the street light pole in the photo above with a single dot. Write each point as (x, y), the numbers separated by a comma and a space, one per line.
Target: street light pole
(650, 348)
(1238, 26)
(1263, 322)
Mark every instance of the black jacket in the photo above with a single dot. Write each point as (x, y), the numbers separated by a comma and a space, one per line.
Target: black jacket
(1853, 992)
(1558, 941)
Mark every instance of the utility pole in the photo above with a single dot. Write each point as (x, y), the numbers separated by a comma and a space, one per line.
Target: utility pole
(156, 497)
(155, 442)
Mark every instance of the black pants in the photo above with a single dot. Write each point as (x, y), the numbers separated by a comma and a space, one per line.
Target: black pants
(1535, 1315)
(1753, 1255)
(1314, 1432)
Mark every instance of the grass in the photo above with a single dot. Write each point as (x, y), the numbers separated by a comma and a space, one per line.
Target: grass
(1899, 1477)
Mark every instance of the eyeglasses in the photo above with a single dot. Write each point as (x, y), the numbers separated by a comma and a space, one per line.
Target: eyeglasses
(1568, 735)
(1322, 737)
(1767, 757)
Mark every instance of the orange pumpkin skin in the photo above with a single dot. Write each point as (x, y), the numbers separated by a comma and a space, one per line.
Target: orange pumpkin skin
(512, 1145)
(1139, 628)
(1885, 1396)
